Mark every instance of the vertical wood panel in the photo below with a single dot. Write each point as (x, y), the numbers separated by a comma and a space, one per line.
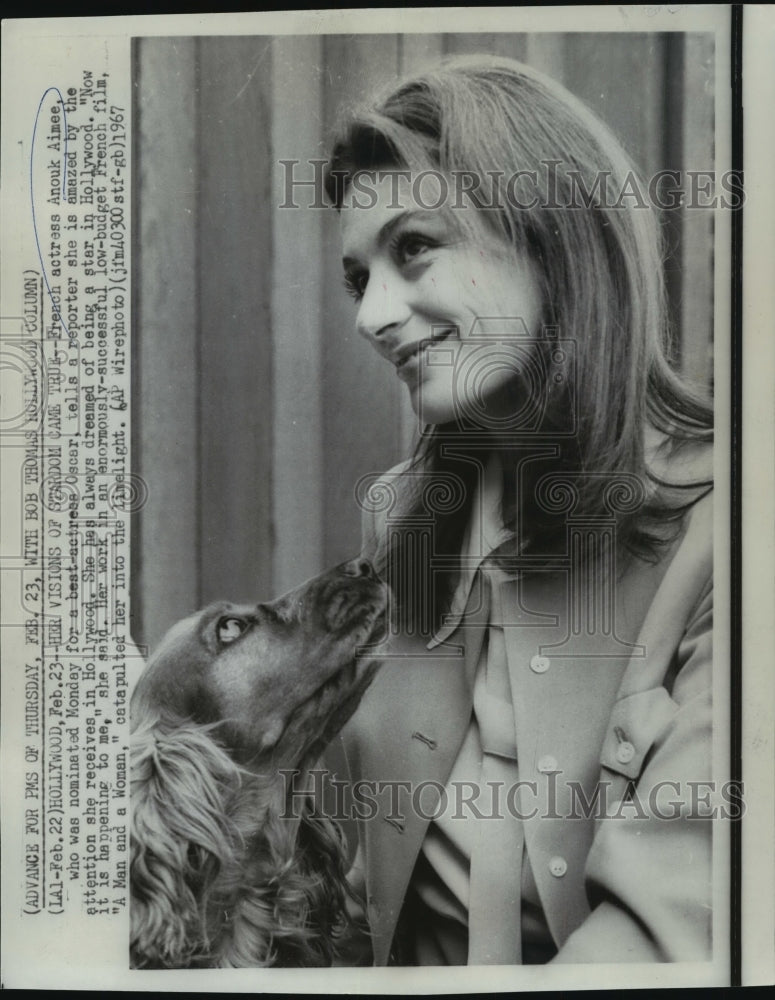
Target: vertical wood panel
(361, 406)
(673, 123)
(235, 248)
(297, 328)
(164, 407)
(649, 119)
(546, 52)
(418, 52)
(510, 44)
(600, 70)
(697, 224)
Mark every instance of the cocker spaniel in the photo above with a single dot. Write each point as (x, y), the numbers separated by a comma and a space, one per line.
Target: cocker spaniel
(222, 871)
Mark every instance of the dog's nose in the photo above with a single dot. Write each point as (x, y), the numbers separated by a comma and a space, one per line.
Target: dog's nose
(359, 567)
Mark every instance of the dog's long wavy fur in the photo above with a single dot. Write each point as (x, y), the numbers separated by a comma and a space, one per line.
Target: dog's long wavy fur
(219, 879)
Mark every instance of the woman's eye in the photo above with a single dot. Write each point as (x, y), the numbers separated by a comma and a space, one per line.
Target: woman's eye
(355, 283)
(408, 246)
(405, 248)
(230, 629)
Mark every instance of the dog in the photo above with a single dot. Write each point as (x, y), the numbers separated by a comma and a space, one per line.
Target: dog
(224, 871)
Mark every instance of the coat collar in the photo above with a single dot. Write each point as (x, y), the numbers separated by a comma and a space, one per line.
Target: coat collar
(484, 534)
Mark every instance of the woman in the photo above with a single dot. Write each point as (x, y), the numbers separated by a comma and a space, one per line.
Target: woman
(525, 767)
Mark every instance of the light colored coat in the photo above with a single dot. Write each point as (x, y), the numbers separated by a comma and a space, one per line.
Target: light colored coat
(635, 887)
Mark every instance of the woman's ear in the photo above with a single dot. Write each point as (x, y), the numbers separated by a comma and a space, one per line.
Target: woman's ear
(180, 839)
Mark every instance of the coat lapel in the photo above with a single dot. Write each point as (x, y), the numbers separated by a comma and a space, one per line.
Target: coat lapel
(411, 754)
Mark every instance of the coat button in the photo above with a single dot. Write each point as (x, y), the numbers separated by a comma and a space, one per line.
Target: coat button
(625, 752)
(558, 866)
(547, 764)
(539, 664)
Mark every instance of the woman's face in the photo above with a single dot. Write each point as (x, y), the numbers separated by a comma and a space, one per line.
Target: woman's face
(443, 299)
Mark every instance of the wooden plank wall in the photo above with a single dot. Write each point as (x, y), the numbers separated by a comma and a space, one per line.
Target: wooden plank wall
(256, 407)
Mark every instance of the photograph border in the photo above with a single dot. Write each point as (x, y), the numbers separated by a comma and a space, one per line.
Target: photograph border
(747, 748)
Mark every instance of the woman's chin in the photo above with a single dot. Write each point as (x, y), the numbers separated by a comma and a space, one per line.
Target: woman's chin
(431, 407)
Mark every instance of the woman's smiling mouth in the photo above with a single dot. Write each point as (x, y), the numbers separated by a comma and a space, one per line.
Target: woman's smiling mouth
(410, 351)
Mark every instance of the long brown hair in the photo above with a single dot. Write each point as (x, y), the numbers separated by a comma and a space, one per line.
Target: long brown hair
(600, 263)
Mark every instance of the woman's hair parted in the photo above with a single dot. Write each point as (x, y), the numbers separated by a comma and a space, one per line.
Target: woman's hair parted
(600, 264)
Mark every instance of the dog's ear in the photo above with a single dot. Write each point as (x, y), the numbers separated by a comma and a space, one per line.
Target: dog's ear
(272, 731)
(182, 783)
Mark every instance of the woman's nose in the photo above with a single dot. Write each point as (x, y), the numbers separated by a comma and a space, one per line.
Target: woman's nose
(382, 308)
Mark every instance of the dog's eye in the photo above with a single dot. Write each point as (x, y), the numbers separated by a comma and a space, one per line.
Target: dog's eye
(230, 629)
